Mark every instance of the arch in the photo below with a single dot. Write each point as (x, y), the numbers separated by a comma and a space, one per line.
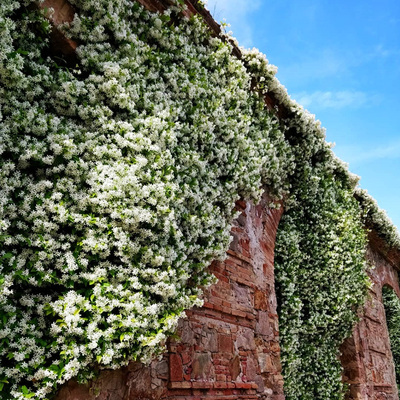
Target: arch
(366, 357)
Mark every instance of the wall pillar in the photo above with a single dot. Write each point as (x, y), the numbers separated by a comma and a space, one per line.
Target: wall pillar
(366, 356)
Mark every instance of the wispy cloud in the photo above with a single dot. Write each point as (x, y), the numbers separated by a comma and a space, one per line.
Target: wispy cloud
(236, 13)
(335, 64)
(360, 154)
(380, 51)
(336, 99)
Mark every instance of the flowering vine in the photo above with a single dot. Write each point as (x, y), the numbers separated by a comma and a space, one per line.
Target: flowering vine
(118, 179)
(118, 183)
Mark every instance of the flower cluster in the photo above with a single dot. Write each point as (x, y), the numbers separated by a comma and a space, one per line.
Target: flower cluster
(321, 282)
(377, 219)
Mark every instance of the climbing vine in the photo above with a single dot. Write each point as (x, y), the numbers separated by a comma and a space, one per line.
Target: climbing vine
(320, 282)
(377, 219)
(392, 312)
(319, 255)
(118, 179)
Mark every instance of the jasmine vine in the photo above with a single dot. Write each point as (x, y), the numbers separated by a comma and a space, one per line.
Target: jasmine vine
(321, 281)
(118, 179)
(118, 183)
(320, 268)
(377, 219)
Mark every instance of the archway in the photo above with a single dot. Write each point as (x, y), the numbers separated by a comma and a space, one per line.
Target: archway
(366, 357)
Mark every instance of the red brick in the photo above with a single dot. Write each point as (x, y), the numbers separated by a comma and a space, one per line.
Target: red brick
(180, 385)
(220, 385)
(244, 385)
(238, 313)
(175, 368)
(208, 305)
(202, 385)
(220, 378)
(225, 343)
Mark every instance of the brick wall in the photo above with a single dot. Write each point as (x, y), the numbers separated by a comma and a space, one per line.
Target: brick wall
(366, 356)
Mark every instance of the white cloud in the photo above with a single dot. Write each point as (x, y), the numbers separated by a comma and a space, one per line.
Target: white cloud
(320, 65)
(359, 155)
(336, 64)
(335, 99)
(236, 13)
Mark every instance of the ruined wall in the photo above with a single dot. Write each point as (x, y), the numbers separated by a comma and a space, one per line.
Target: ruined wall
(366, 356)
(229, 348)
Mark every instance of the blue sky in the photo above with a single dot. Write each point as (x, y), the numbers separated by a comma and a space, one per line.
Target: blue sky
(340, 60)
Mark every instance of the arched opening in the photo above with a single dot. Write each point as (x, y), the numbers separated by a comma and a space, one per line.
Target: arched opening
(368, 357)
(352, 371)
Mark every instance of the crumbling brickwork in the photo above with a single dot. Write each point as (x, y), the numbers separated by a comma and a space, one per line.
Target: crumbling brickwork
(366, 356)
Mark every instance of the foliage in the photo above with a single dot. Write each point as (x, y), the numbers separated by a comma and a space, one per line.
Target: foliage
(392, 311)
(118, 183)
(377, 219)
(118, 178)
(319, 255)
(320, 281)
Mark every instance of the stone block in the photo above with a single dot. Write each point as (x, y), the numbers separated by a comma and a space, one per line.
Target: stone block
(263, 326)
(225, 343)
(235, 368)
(202, 368)
(245, 339)
(260, 300)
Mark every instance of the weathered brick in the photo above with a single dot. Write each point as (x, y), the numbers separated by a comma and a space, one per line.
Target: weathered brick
(225, 343)
(175, 368)
(180, 385)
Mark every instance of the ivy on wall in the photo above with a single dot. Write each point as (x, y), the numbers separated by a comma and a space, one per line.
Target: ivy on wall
(320, 281)
(118, 179)
(392, 311)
